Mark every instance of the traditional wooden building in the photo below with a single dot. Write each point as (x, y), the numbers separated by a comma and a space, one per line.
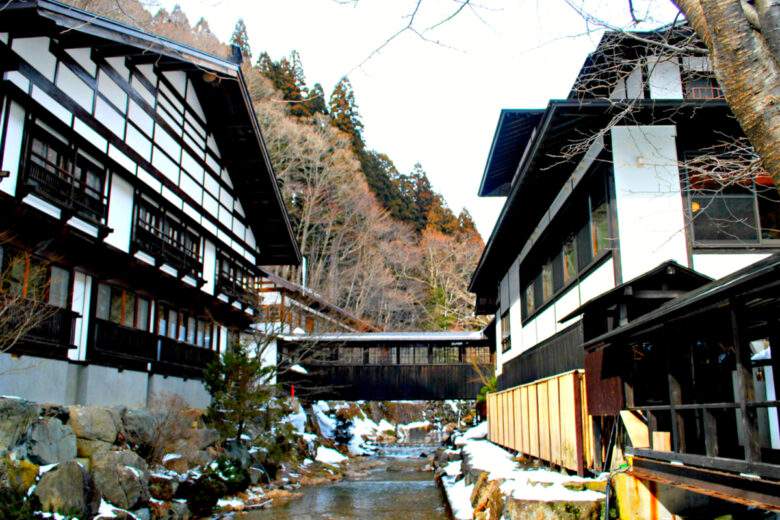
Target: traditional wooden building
(135, 173)
(606, 192)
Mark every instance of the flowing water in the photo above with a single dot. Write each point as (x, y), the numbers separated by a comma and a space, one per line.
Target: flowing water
(391, 486)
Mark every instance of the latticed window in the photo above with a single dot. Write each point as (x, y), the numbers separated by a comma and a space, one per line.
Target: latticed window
(506, 333)
(446, 355)
(350, 355)
(479, 355)
(381, 356)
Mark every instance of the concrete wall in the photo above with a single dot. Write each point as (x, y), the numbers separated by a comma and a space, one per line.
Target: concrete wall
(62, 382)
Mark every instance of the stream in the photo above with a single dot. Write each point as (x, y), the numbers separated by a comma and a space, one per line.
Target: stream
(392, 485)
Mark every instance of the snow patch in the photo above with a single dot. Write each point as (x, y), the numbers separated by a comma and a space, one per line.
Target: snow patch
(329, 456)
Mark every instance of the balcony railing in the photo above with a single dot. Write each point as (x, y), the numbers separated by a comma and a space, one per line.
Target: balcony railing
(52, 337)
(704, 92)
(136, 349)
(66, 191)
(165, 249)
(235, 290)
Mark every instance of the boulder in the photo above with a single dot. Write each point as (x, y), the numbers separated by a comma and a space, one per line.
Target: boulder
(18, 475)
(552, 510)
(162, 487)
(239, 453)
(50, 442)
(140, 426)
(68, 489)
(169, 510)
(88, 448)
(202, 438)
(120, 478)
(94, 423)
(202, 494)
(16, 416)
(175, 462)
(491, 501)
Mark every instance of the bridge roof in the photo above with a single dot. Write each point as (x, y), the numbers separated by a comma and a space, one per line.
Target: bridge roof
(396, 337)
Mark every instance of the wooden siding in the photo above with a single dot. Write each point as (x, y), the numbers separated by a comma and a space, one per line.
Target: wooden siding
(560, 353)
(546, 419)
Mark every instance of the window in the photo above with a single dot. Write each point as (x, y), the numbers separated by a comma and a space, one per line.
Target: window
(702, 85)
(479, 355)
(164, 237)
(446, 355)
(506, 336)
(25, 276)
(350, 355)
(743, 214)
(406, 355)
(185, 327)
(122, 307)
(381, 355)
(579, 236)
(65, 175)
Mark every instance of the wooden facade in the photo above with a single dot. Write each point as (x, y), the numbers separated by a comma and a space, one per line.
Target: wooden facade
(386, 366)
(142, 183)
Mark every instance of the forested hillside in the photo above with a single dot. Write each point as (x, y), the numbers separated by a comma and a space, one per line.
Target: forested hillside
(378, 242)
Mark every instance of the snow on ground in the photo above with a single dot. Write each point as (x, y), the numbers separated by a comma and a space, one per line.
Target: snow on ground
(329, 456)
(363, 428)
(385, 425)
(459, 497)
(519, 482)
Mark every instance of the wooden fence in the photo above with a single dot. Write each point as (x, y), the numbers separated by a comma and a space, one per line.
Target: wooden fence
(546, 419)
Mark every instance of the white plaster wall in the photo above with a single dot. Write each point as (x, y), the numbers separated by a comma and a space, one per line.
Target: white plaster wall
(12, 148)
(499, 360)
(722, 264)
(120, 213)
(80, 303)
(649, 202)
(598, 282)
(629, 87)
(209, 266)
(35, 51)
(664, 78)
(515, 314)
(566, 303)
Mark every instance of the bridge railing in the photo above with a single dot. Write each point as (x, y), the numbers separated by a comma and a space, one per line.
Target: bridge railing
(379, 354)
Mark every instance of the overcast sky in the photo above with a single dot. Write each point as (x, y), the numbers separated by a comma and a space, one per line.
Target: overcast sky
(436, 104)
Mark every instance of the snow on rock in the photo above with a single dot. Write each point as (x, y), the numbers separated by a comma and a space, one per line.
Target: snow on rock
(298, 420)
(171, 456)
(452, 469)
(230, 503)
(326, 423)
(329, 456)
(298, 369)
(385, 426)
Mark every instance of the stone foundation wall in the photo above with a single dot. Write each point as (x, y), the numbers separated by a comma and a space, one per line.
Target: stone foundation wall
(62, 382)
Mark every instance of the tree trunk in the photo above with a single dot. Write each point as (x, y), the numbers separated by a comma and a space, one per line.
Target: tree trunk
(745, 67)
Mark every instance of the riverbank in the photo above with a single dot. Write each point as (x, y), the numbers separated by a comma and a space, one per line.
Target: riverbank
(481, 481)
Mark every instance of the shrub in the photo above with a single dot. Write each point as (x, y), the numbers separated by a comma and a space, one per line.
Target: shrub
(15, 505)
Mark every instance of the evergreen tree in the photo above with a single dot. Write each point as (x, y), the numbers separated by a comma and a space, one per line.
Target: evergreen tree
(383, 179)
(237, 382)
(241, 39)
(315, 100)
(344, 113)
(441, 218)
(466, 223)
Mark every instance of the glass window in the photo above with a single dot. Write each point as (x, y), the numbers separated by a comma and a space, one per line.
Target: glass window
(103, 301)
(569, 254)
(128, 306)
(191, 325)
(722, 217)
(199, 340)
(209, 332)
(445, 355)
(350, 355)
(182, 321)
(547, 281)
(172, 323)
(406, 355)
(381, 355)
(530, 304)
(506, 332)
(115, 313)
(162, 320)
(59, 287)
(599, 221)
(769, 212)
(142, 317)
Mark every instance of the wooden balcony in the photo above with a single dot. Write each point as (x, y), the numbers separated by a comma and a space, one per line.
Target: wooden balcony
(52, 338)
(182, 359)
(65, 191)
(134, 349)
(165, 250)
(235, 291)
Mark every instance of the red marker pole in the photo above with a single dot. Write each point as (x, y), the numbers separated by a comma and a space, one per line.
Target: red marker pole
(292, 391)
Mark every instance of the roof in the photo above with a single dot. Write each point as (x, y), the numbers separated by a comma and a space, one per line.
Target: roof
(396, 337)
(513, 131)
(318, 302)
(226, 102)
(757, 275)
(676, 276)
(541, 173)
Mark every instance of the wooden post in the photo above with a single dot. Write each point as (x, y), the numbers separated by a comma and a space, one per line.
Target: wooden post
(673, 371)
(745, 391)
(578, 424)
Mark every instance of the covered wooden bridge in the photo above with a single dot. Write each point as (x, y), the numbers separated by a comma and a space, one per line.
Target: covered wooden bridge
(384, 366)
